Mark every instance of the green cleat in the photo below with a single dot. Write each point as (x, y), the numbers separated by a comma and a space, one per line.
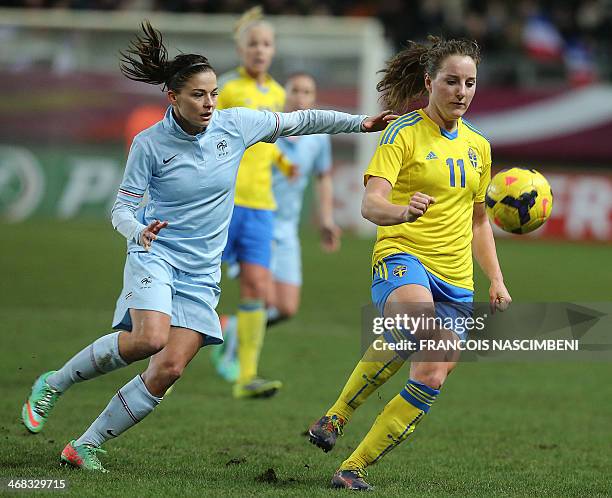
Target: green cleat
(82, 456)
(257, 388)
(38, 406)
(229, 369)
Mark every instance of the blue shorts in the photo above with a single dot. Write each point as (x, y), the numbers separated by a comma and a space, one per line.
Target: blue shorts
(402, 269)
(150, 283)
(286, 264)
(249, 239)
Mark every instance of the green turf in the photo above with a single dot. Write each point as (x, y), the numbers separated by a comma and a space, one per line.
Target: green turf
(504, 429)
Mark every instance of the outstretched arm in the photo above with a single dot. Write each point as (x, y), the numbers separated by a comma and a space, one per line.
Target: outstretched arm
(266, 126)
(483, 248)
(313, 121)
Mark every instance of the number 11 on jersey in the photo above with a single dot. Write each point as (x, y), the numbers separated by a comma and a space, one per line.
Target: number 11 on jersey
(450, 162)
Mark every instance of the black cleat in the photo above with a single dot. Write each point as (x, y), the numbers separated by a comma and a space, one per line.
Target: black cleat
(351, 479)
(324, 432)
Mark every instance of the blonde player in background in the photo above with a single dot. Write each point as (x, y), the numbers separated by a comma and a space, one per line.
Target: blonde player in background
(425, 189)
(250, 234)
(312, 156)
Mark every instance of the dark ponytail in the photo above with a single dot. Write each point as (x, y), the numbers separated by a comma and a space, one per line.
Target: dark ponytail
(404, 75)
(146, 60)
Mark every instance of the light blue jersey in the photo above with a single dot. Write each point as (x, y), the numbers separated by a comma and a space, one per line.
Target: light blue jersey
(191, 179)
(312, 155)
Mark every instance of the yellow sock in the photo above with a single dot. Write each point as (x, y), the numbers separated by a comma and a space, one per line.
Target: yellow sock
(251, 331)
(393, 425)
(368, 376)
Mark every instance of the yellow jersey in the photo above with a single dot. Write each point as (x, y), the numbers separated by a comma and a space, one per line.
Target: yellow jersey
(254, 181)
(415, 155)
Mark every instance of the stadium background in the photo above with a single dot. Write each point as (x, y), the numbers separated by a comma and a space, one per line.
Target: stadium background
(544, 98)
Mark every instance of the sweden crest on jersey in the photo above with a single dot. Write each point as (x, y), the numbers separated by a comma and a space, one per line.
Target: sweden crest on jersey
(399, 270)
(473, 157)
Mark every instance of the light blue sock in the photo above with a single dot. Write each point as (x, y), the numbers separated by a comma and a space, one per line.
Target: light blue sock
(274, 317)
(130, 405)
(272, 313)
(100, 357)
(230, 336)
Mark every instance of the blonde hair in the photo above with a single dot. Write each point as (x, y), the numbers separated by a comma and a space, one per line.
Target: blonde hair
(251, 18)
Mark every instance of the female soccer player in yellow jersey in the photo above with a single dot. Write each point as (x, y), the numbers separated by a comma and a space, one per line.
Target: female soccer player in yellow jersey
(250, 234)
(425, 189)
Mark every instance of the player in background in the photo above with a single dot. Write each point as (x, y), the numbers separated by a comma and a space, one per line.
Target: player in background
(312, 155)
(166, 310)
(249, 242)
(425, 189)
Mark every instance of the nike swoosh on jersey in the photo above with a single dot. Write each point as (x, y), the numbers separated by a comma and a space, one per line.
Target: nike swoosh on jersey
(166, 161)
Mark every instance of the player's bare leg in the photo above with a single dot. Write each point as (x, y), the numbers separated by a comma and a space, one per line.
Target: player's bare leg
(283, 302)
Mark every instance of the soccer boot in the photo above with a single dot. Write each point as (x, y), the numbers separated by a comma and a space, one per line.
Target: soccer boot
(324, 432)
(351, 479)
(82, 456)
(38, 406)
(224, 357)
(257, 388)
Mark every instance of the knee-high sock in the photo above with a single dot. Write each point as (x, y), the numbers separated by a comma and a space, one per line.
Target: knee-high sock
(130, 405)
(100, 357)
(393, 425)
(251, 331)
(372, 371)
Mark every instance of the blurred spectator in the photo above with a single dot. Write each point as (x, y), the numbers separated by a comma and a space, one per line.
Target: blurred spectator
(568, 38)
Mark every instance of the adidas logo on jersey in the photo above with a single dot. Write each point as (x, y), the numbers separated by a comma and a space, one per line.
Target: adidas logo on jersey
(431, 155)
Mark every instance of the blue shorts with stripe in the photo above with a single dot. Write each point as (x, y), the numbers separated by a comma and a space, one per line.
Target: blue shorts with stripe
(402, 269)
(249, 239)
(151, 283)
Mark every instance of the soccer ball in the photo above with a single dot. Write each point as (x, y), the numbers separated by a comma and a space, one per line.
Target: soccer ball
(519, 200)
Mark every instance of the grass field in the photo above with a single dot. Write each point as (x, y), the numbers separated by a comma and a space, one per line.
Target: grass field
(504, 429)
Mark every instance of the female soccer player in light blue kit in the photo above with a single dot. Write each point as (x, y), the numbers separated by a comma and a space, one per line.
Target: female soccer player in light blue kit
(312, 155)
(188, 162)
